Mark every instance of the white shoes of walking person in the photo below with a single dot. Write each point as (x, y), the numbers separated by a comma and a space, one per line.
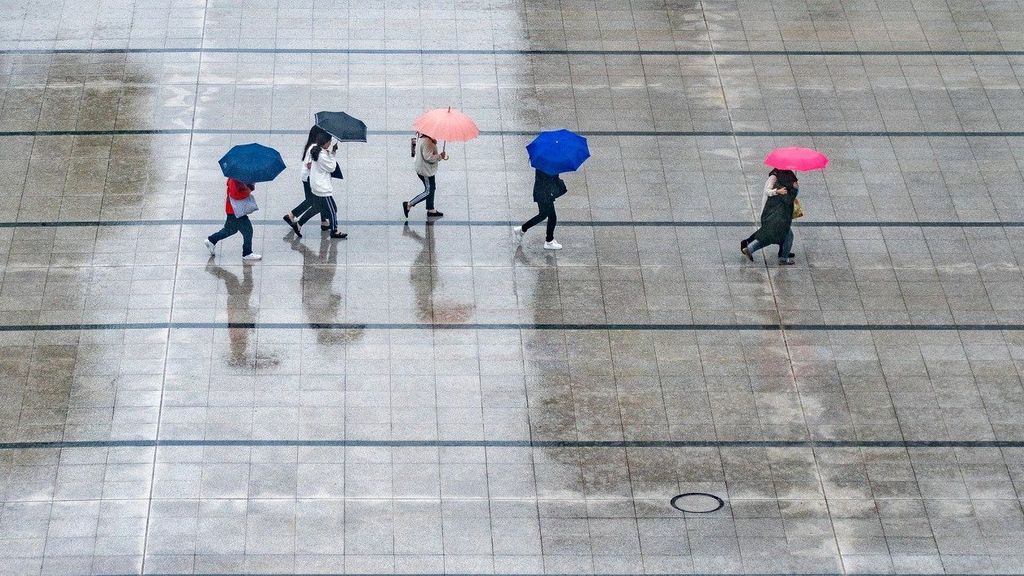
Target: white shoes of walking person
(517, 234)
(251, 257)
(552, 245)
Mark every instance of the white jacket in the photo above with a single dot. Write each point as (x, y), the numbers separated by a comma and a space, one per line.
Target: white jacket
(769, 190)
(427, 157)
(304, 172)
(320, 172)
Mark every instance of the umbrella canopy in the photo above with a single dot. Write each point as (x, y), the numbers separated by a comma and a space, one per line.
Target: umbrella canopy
(796, 159)
(447, 124)
(558, 151)
(343, 127)
(252, 163)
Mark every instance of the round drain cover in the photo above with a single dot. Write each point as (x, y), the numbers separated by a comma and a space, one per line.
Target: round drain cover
(697, 503)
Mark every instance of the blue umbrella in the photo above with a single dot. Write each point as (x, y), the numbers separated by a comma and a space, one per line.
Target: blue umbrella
(252, 163)
(558, 151)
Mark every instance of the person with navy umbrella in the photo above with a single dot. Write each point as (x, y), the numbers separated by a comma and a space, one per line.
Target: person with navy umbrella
(243, 166)
(551, 153)
(238, 192)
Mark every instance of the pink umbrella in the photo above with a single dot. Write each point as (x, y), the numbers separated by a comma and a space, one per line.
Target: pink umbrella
(796, 159)
(447, 124)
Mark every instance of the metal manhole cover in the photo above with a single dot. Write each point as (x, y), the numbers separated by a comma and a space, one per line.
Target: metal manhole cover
(697, 503)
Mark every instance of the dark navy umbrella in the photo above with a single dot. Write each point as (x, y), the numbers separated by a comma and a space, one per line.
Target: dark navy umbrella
(343, 127)
(252, 163)
(558, 151)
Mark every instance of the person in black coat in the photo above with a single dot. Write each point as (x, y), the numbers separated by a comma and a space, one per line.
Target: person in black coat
(776, 217)
(546, 188)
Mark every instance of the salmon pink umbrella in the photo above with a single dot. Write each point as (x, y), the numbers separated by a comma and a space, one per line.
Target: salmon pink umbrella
(800, 159)
(447, 124)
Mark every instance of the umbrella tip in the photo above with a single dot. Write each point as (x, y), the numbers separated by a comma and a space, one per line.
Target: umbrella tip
(449, 108)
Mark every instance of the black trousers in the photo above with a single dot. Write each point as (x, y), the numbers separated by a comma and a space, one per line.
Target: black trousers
(328, 211)
(309, 206)
(232, 226)
(547, 210)
(429, 186)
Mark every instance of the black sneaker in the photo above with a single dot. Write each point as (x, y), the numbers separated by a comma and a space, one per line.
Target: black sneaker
(435, 214)
(294, 225)
(405, 208)
(339, 235)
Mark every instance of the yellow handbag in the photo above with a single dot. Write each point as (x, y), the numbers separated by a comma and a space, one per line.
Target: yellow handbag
(798, 212)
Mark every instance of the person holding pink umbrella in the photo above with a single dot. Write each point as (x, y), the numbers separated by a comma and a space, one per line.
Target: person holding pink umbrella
(776, 217)
(779, 204)
(445, 124)
(426, 164)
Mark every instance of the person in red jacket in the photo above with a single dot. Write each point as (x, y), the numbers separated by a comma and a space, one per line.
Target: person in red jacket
(233, 224)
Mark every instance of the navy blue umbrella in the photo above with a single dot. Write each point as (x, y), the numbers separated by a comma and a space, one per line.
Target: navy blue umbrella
(252, 163)
(558, 151)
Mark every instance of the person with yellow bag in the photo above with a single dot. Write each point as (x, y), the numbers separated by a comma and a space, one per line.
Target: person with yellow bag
(778, 209)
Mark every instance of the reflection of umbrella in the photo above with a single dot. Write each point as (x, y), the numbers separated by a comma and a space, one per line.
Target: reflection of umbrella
(252, 163)
(558, 151)
(447, 124)
(343, 127)
(796, 159)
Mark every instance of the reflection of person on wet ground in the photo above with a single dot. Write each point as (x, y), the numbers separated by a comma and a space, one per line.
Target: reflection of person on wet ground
(424, 281)
(240, 311)
(421, 274)
(320, 303)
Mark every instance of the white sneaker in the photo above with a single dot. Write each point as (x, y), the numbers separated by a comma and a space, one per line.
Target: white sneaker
(254, 257)
(553, 245)
(210, 246)
(517, 234)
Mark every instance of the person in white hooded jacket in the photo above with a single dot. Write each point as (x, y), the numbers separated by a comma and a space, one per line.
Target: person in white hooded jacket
(321, 162)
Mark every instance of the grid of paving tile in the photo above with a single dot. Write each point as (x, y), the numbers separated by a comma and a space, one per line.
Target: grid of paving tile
(434, 399)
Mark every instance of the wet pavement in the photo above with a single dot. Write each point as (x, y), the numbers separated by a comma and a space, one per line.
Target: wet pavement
(431, 398)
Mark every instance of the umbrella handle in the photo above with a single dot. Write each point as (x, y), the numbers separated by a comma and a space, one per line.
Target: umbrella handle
(443, 145)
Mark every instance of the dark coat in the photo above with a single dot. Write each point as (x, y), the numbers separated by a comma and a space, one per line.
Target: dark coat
(547, 187)
(776, 219)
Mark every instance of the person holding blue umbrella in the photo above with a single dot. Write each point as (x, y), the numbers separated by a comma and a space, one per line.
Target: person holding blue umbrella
(244, 166)
(551, 153)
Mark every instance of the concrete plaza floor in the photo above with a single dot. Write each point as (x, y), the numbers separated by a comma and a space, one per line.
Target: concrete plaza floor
(432, 398)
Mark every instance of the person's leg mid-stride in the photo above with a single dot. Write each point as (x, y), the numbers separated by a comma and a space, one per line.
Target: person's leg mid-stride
(546, 211)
